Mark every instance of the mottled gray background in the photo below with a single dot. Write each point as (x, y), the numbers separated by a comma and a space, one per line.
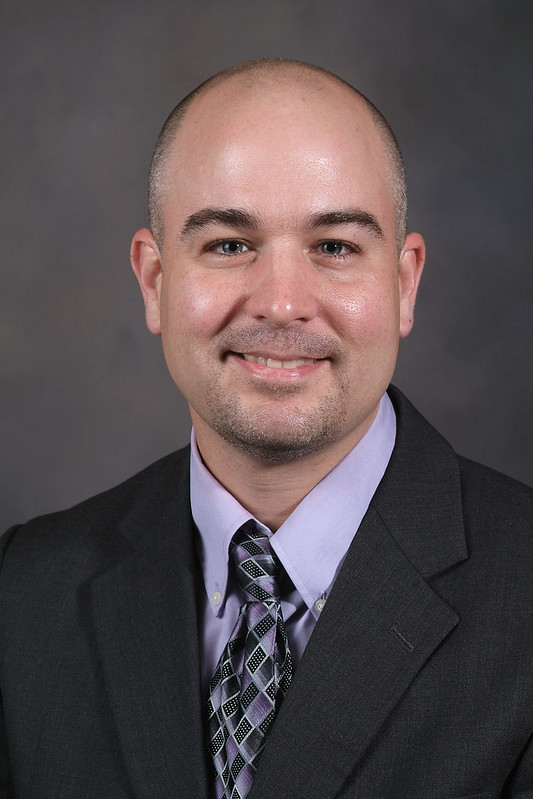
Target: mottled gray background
(85, 396)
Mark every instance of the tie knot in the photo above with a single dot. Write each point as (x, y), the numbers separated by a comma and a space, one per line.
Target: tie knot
(256, 564)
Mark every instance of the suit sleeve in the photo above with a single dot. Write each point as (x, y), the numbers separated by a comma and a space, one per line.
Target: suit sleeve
(520, 782)
(6, 786)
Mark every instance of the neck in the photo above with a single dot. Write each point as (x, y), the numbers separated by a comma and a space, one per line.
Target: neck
(269, 490)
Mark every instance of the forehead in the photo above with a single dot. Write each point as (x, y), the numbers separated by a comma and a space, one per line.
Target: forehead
(282, 148)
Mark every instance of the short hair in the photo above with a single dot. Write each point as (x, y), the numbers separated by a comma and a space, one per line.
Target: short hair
(269, 67)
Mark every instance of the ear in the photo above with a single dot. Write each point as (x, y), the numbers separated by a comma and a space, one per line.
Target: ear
(146, 262)
(410, 269)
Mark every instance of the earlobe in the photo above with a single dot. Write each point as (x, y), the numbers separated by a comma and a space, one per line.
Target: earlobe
(146, 263)
(409, 273)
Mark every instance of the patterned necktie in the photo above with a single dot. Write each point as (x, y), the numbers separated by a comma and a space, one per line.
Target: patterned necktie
(254, 670)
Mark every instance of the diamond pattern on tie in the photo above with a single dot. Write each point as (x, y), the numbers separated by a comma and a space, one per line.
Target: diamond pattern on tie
(254, 670)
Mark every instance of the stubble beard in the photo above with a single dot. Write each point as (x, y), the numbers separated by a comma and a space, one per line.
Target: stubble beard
(277, 426)
(280, 435)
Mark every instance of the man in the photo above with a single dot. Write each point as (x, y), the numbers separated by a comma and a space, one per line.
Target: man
(392, 578)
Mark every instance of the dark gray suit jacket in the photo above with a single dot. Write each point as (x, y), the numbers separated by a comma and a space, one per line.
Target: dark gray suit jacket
(417, 682)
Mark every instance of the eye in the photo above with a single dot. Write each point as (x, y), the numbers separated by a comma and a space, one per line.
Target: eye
(333, 248)
(230, 247)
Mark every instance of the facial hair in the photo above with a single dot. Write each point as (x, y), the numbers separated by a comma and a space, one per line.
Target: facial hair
(279, 430)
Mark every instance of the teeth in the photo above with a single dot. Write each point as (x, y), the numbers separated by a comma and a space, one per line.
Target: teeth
(273, 364)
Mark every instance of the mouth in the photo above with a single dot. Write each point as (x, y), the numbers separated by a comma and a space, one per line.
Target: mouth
(274, 363)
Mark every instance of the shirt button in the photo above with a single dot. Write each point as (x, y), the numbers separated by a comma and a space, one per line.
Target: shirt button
(216, 598)
(319, 605)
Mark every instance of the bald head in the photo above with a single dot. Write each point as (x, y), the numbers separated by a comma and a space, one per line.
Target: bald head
(258, 76)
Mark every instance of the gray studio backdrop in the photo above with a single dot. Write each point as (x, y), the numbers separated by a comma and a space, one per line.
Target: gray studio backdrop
(86, 400)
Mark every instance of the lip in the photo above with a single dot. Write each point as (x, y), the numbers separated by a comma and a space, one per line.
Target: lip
(279, 361)
(276, 366)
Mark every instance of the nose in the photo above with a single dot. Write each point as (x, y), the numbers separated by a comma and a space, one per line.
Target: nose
(282, 287)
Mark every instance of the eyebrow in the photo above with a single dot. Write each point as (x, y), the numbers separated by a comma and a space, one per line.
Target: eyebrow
(233, 217)
(350, 216)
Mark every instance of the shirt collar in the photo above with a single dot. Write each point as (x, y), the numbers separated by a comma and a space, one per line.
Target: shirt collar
(314, 540)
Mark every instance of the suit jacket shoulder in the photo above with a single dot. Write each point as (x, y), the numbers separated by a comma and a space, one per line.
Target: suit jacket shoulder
(98, 526)
(490, 495)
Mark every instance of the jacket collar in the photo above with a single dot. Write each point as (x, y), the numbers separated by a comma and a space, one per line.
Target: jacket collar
(420, 497)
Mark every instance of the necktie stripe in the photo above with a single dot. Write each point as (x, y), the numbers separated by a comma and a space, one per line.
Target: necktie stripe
(254, 670)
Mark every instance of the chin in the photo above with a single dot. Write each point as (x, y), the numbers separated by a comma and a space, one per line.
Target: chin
(274, 444)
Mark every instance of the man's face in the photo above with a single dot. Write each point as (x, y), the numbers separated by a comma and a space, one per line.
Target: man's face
(279, 294)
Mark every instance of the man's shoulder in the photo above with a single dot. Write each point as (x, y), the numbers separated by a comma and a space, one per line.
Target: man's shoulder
(418, 439)
(441, 490)
(490, 497)
(91, 525)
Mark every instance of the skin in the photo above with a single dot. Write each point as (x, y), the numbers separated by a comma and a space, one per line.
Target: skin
(307, 270)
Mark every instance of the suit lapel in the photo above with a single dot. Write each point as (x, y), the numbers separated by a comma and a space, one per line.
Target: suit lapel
(381, 622)
(378, 628)
(145, 619)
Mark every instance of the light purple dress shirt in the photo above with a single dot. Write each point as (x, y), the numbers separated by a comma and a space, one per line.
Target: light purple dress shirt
(311, 544)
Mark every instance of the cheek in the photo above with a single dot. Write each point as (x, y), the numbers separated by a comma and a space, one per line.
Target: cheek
(193, 309)
(369, 315)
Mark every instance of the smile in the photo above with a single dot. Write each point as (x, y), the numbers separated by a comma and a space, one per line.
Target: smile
(272, 363)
